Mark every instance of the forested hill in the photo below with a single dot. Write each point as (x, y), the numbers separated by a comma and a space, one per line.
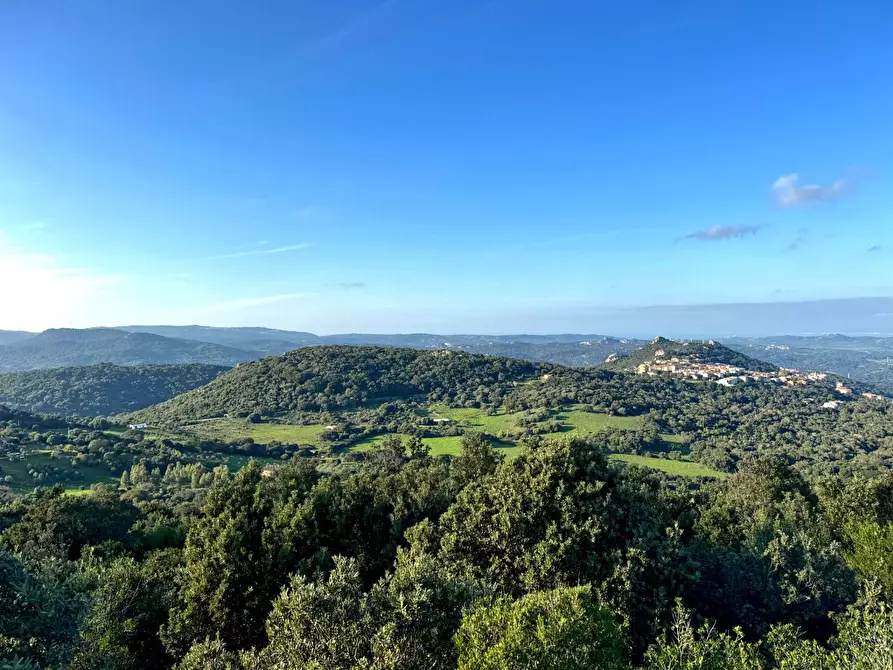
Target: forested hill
(343, 377)
(102, 389)
(8, 336)
(67, 347)
(662, 349)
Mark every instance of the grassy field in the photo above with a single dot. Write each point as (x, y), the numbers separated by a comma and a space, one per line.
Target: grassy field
(23, 482)
(592, 422)
(475, 419)
(679, 468)
(439, 445)
(573, 419)
(227, 430)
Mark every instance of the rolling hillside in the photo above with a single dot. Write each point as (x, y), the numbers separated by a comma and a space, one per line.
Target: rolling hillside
(102, 389)
(340, 377)
(9, 336)
(69, 347)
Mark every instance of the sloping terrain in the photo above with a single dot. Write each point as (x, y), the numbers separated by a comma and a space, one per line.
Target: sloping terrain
(9, 336)
(68, 347)
(340, 377)
(102, 389)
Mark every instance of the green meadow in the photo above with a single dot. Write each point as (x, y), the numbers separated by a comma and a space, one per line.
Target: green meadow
(573, 420)
(679, 468)
(22, 481)
(227, 430)
(440, 446)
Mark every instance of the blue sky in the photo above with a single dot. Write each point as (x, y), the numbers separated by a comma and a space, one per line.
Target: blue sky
(402, 165)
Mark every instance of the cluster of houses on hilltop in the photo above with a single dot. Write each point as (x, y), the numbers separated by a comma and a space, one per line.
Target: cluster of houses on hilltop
(731, 375)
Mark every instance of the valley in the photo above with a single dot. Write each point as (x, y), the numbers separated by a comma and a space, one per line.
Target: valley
(442, 464)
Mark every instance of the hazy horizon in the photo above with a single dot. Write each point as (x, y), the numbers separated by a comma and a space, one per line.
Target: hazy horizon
(854, 317)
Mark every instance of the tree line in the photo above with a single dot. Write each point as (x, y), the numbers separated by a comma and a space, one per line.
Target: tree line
(555, 559)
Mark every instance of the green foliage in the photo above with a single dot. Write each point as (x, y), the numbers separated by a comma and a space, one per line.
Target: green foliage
(397, 559)
(560, 514)
(563, 629)
(103, 388)
(59, 525)
(41, 606)
(224, 564)
(872, 551)
(684, 648)
(766, 554)
(130, 605)
(476, 460)
(324, 624)
(332, 378)
(211, 654)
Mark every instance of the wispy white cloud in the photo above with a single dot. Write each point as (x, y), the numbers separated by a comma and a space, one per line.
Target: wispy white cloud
(717, 233)
(789, 193)
(246, 303)
(260, 252)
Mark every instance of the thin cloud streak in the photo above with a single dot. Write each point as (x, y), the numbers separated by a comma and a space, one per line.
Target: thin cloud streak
(245, 303)
(717, 233)
(876, 247)
(788, 193)
(260, 252)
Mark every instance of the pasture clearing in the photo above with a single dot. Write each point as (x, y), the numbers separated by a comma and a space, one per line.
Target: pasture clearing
(671, 467)
(22, 481)
(230, 430)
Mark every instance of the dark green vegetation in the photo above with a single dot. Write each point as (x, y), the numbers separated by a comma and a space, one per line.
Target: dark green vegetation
(700, 352)
(102, 389)
(363, 392)
(555, 559)
(866, 359)
(337, 378)
(40, 450)
(534, 541)
(68, 347)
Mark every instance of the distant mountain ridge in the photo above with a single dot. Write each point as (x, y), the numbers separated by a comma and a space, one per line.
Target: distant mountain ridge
(9, 336)
(865, 358)
(65, 347)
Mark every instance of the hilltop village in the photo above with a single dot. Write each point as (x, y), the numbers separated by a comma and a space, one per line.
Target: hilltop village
(730, 375)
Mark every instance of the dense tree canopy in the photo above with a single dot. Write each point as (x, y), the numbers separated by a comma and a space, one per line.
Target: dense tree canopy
(102, 389)
(391, 558)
